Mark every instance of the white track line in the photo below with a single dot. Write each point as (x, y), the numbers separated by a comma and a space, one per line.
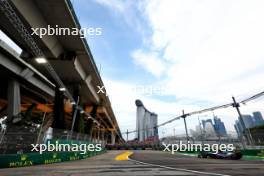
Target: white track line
(178, 169)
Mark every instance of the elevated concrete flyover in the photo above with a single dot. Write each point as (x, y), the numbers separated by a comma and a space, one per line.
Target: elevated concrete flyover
(68, 55)
(18, 76)
(25, 94)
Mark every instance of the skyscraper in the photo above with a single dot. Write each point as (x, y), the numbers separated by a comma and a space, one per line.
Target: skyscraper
(219, 127)
(206, 121)
(258, 119)
(146, 122)
(238, 127)
(209, 129)
(248, 120)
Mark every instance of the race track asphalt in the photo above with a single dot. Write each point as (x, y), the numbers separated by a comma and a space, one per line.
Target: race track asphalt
(155, 163)
(218, 166)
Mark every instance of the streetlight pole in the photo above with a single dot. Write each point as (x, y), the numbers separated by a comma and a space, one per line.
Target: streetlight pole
(74, 115)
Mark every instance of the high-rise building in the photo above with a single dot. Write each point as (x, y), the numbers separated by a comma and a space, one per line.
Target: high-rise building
(146, 123)
(206, 121)
(238, 127)
(248, 120)
(219, 127)
(258, 119)
(209, 129)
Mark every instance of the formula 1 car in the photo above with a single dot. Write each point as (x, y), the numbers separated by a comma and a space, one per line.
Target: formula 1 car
(235, 155)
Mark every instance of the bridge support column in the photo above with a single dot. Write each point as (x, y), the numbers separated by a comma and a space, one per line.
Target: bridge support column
(109, 137)
(59, 114)
(91, 135)
(103, 135)
(14, 100)
(113, 137)
(98, 134)
(90, 123)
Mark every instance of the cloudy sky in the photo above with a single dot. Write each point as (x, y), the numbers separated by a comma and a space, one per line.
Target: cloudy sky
(176, 55)
(199, 53)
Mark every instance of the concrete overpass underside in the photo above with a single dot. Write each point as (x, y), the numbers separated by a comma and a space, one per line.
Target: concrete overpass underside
(70, 58)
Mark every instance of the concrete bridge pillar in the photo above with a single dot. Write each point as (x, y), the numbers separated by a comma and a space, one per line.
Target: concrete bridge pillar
(90, 124)
(103, 135)
(98, 134)
(113, 137)
(59, 114)
(14, 100)
(91, 136)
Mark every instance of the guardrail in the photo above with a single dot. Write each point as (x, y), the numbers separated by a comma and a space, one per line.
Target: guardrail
(16, 149)
(29, 159)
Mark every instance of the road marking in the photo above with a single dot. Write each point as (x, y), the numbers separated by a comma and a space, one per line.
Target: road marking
(185, 154)
(175, 158)
(123, 156)
(178, 169)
